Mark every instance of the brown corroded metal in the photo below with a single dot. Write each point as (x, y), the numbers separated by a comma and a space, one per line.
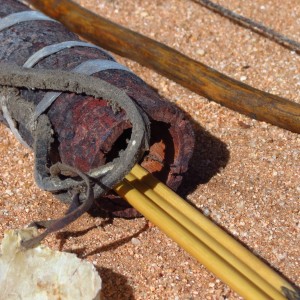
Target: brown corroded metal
(88, 133)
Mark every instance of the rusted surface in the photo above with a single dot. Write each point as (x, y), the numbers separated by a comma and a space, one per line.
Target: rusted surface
(88, 133)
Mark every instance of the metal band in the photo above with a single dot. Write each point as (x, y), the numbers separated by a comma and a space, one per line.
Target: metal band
(8, 22)
(88, 67)
(23, 16)
(52, 49)
(93, 66)
(12, 126)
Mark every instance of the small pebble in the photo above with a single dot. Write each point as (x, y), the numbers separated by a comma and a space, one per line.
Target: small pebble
(9, 192)
(200, 52)
(135, 241)
(206, 212)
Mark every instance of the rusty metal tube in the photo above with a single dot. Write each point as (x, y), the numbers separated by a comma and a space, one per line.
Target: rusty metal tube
(88, 133)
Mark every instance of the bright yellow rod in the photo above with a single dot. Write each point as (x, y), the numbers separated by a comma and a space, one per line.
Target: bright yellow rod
(190, 243)
(221, 236)
(206, 238)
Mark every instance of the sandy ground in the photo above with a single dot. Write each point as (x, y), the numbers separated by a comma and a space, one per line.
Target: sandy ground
(245, 174)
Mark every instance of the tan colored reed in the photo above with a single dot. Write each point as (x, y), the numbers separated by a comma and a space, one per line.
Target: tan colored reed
(204, 240)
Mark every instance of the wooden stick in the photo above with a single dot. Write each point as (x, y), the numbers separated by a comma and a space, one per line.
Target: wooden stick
(189, 73)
